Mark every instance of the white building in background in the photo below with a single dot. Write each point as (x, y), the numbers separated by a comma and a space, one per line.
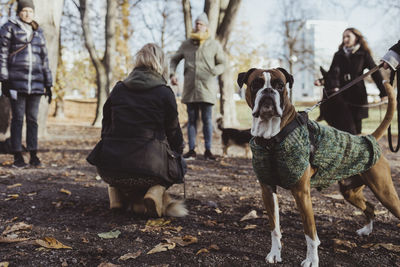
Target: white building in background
(321, 38)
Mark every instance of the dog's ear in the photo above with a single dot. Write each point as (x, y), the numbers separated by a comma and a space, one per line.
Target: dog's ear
(244, 76)
(323, 71)
(288, 76)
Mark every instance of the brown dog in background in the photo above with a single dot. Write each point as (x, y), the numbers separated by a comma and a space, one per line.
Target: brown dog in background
(231, 136)
(267, 96)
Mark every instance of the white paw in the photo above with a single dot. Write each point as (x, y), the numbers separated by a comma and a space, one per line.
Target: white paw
(309, 262)
(366, 230)
(273, 257)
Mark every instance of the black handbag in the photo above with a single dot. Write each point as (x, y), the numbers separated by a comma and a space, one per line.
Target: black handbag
(141, 156)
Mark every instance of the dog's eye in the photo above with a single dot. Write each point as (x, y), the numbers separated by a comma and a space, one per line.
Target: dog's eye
(278, 85)
(257, 84)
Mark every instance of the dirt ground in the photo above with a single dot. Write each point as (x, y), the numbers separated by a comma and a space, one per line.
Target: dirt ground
(64, 200)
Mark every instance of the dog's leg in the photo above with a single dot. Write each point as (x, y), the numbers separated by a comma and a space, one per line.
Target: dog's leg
(352, 190)
(271, 205)
(116, 198)
(224, 150)
(301, 193)
(379, 180)
(247, 148)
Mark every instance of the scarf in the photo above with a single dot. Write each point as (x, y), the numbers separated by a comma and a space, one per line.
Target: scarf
(351, 50)
(199, 36)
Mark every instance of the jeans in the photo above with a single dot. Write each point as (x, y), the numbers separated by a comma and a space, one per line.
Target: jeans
(24, 105)
(206, 116)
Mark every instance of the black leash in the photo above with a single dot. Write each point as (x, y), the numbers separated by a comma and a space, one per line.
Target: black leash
(394, 150)
(344, 88)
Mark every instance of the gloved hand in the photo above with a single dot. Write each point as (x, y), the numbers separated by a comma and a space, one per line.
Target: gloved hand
(5, 89)
(48, 94)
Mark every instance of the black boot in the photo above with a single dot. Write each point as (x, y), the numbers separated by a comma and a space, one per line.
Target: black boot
(34, 161)
(19, 161)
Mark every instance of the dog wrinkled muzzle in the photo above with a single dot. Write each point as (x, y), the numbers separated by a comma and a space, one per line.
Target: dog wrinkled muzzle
(267, 106)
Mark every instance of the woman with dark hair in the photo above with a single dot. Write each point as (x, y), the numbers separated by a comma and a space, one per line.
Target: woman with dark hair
(141, 137)
(25, 76)
(349, 62)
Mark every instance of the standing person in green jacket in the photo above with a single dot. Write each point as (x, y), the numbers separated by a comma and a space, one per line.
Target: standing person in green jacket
(204, 61)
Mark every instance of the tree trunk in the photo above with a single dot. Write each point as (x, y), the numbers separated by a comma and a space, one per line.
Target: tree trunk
(103, 66)
(224, 21)
(187, 15)
(212, 8)
(48, 15)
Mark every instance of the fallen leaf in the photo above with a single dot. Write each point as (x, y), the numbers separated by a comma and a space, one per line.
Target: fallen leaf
(334, 196)
(84, 240)
(51, 242)
(398, 225)
(243, 198)
(379, 212)
(158, 222)
(203, 250)
(358, 213)
(17, 227)
(162, 247)
(251, 215)
(213, 247)
(65, 191)
(345, 243)
(367, 245)
(210, 223)
(11, 196)
(64, 264)
(11, 240)
(341, 250)
(98, 178)
(14, 185)
(217, 210)
(250, 226)
(32, 194)
(226, 189)
(107, 264)
(6, 163)
(130, 256)
(388, 246)
(183, 241)
(4, 264)
(111, 234)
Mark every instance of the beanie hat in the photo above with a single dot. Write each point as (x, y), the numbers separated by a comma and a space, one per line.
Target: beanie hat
(203, 18)
(24, 3)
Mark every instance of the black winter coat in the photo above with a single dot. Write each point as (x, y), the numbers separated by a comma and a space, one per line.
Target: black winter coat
(350, 68)
(396, 48)
(28, 70)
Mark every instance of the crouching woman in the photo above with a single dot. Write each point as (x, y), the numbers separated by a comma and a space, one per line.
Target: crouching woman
(139, 154)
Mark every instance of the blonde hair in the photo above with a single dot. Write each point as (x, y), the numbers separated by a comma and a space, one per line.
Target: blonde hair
(359, 40)
(151, 56)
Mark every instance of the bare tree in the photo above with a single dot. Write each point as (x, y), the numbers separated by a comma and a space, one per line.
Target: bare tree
(102, 65)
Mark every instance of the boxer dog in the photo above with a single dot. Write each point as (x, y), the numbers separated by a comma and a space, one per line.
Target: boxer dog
(273, 113)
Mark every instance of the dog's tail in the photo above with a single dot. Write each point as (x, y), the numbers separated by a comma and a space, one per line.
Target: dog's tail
(380, 131)
(173, 207)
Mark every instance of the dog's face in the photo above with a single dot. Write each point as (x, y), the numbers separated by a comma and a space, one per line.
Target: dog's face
(267, 96)
(331, 78)
(266, 91)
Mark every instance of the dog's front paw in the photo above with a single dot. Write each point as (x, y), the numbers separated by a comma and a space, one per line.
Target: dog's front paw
(366, 230)
(273, 257)
(310, 262)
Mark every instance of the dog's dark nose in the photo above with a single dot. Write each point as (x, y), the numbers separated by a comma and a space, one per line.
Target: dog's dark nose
(256, 114)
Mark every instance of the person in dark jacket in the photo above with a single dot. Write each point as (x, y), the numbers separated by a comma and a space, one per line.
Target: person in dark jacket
(350, 61)
(25, 76)
(139, 117)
